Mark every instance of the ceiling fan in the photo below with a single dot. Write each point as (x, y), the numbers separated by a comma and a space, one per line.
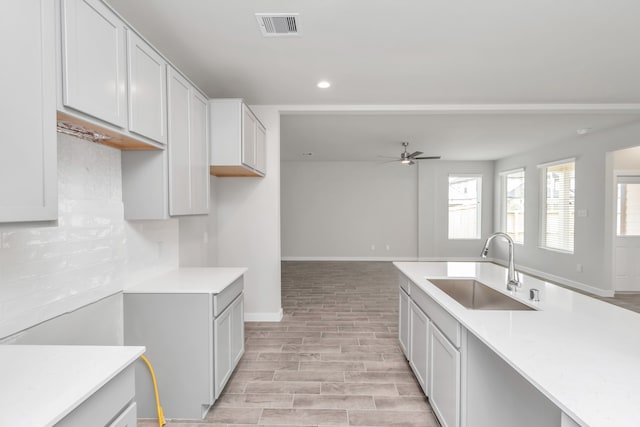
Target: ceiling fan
(409, 159)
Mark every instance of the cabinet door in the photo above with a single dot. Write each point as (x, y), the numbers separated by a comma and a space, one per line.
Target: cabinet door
(222, 350)
(199, 160)
(147, 82)
(28, 157)
(94, 61)
(403, 333)
(248, 138)
(419, 347)
(444, 369)
(179, 103)
(237, 330)
(261, 148)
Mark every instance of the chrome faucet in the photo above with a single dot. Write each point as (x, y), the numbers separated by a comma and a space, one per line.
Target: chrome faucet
(512, 276)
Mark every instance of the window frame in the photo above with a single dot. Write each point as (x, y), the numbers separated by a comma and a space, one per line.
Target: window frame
(478, 177)
(624, 178)
(503, 200)
(542, 168)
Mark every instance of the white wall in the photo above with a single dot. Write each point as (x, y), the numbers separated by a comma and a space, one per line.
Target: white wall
(51, 269)
(246, 212)
(593, 193)
(348, 210)
(627, 159)
(338, 210)
(434, 242)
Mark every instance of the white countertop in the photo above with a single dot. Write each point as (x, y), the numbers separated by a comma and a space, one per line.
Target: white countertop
(582, 353)
(40, 385)
(194, 280)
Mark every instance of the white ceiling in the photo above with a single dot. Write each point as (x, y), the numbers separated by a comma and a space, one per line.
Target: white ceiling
(452, 136)
(408, 52)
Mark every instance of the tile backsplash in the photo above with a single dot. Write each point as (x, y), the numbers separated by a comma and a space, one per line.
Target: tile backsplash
(47, 269)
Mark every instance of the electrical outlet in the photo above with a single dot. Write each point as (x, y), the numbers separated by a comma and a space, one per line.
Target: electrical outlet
(388, 248)
(205, 237)
(373, 247)
(579, 268)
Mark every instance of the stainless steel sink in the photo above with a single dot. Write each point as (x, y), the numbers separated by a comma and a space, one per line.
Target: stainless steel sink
(477, 296)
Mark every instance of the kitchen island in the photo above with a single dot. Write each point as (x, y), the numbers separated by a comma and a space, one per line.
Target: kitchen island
(46, 385)
(579, 353)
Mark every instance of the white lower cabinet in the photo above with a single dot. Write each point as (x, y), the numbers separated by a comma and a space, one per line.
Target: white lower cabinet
(444, 378)
(193, 340)
(566, 421)
(403, 323)
(434, 359)
(467, 383)
(111, 405)
(419, 347)
(228, 332)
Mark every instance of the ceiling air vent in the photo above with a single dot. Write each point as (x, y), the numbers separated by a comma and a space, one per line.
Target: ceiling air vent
(279, 24)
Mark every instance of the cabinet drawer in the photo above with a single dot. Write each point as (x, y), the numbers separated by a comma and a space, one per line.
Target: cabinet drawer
(404, 283)
(105, 403)
(128, 418)
(443, 320)
(223, 299)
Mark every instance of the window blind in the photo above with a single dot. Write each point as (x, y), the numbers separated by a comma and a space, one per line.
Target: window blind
(558, 206)
(513, 204)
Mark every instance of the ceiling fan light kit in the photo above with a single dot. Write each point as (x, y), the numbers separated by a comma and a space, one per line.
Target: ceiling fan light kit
(409, 159)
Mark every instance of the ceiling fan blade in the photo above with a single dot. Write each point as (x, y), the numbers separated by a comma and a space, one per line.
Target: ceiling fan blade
(428, 158)
(388, 161)
(389, 157)
(414, 154)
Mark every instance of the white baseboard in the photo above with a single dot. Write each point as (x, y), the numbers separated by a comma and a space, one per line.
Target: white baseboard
(328, 258)
(263, 317)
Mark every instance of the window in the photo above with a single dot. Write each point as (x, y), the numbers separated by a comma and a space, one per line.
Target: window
(558, 205)
(464, 206)
(628, 206)
(513, 204)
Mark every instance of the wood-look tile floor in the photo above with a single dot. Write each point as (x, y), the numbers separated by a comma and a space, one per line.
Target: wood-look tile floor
(333, 360)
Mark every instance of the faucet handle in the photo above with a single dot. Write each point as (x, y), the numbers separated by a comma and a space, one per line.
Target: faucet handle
(534, 294)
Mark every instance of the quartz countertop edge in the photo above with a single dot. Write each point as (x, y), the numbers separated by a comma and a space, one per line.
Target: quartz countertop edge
(580, 352)
(197, 280)
(42, 384)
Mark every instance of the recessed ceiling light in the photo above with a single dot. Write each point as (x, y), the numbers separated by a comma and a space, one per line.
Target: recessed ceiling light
(324, 84)
(583, 131)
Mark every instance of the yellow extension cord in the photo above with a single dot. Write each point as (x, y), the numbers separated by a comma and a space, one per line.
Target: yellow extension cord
(161, 421)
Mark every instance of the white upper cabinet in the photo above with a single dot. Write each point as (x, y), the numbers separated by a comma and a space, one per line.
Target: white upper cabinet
(188, 165)
(261, 148)
(248, 138)
(109, 79)
(179, 157)
(160, 184)
(237, 139)
(94, 61)
(199, 153)
(28, 158)
(147, 72)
